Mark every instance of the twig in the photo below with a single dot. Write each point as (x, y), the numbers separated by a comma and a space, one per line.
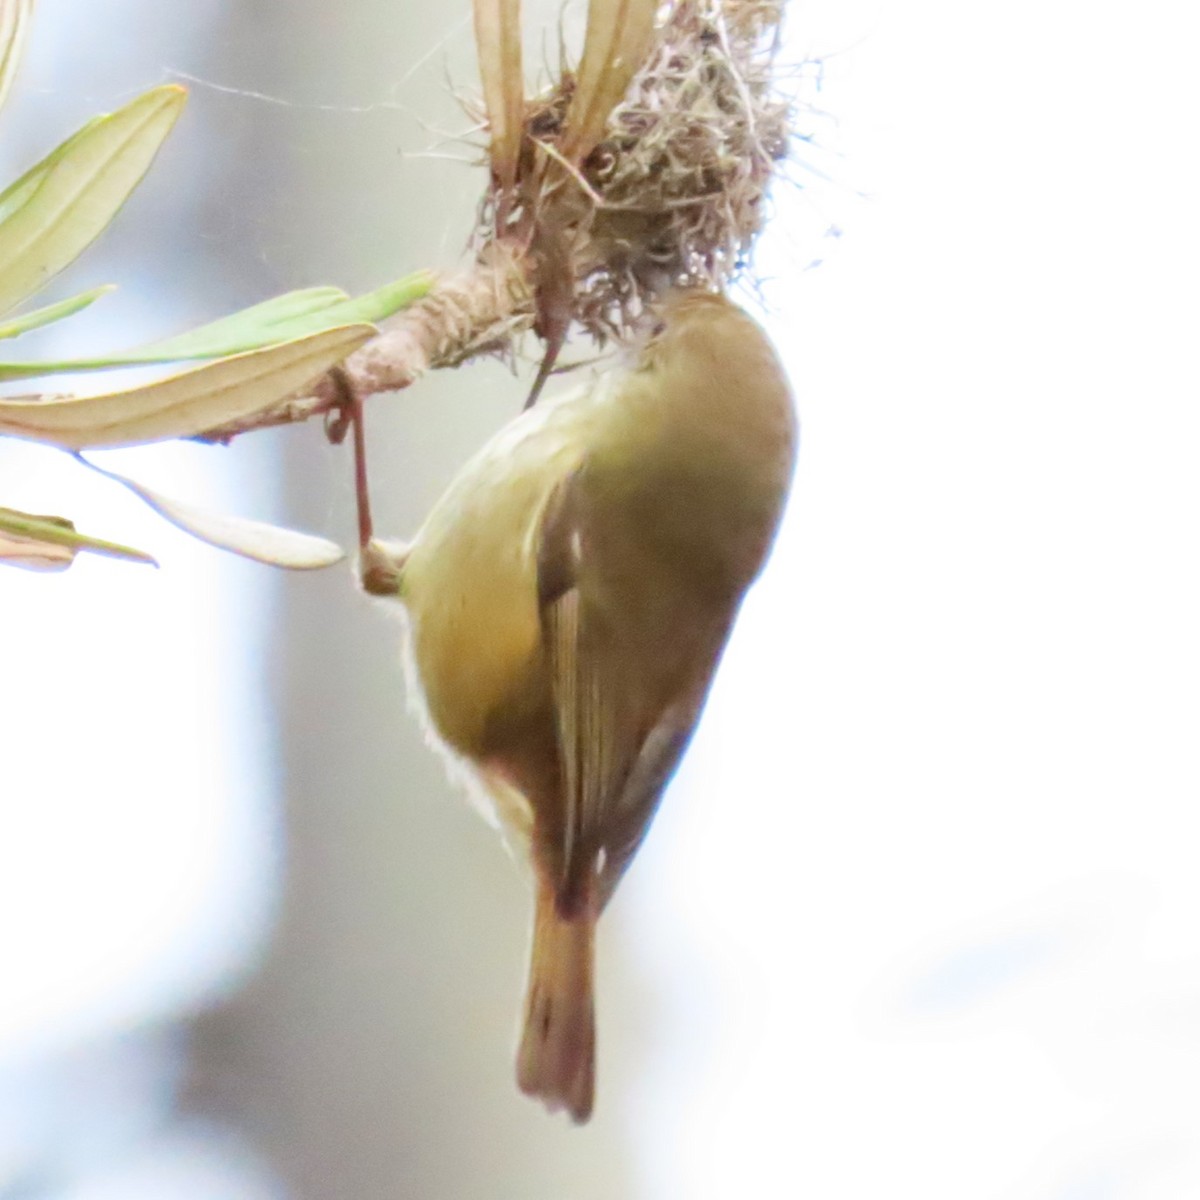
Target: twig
(465, 315)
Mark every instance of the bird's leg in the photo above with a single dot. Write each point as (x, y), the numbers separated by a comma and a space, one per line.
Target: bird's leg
(348, 415)
(379, 563)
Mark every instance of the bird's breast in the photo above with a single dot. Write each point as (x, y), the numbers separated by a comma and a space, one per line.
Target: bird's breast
(470, 584)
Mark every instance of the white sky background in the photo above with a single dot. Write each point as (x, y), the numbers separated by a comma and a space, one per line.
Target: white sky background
(928, 880)
(138, 857)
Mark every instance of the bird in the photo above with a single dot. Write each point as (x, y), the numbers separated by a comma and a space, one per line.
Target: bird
(569, 598)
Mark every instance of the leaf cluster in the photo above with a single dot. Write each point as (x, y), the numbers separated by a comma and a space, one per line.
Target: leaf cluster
(249, 360)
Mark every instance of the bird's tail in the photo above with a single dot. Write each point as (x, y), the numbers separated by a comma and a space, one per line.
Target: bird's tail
(557, 1058)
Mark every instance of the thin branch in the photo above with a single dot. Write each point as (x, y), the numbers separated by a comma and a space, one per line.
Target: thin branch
(465, 315)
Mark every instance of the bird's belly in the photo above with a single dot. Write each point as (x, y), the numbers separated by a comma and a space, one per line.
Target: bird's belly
(478, 653)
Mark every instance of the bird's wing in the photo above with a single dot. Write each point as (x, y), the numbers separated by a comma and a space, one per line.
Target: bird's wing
(616, 758)
(633, 808)
(587, 720)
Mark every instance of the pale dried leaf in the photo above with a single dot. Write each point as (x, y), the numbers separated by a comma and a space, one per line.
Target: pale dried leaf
(619, 36)
(257, 540)
(498, 42)
(34, 555)
(183, 405)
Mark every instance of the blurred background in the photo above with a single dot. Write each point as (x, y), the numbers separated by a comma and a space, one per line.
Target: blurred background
(921, 913)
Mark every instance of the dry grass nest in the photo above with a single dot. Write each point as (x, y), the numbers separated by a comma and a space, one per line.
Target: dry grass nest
(675, 192)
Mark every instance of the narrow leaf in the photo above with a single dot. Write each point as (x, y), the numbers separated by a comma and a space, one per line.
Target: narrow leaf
(18, 193)
(285, 318)
(383, 302)
(246, 329)
(51, 313)
(251, 539)
(50, 543)
(293, 315)
(14, 22)
(182, 405)
(619, 36)
(498, 43)
(56, 210)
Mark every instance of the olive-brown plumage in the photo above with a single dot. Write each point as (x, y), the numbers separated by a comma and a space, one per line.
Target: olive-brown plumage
(569, 599)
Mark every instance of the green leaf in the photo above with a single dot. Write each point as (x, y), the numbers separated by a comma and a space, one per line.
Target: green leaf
(182, 405)
(17, 194)
(50, 543)
(14, 22)
(59, 207)
(52, 312)
(285, 318)
(256, 540)
(247, 329)
(380, 304)
(293, 315)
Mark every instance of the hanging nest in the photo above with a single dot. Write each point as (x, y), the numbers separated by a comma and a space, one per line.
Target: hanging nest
(645, 168)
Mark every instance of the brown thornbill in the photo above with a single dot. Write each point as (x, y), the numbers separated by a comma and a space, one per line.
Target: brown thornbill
(569, 598)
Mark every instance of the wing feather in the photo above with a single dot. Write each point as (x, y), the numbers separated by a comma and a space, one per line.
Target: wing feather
(600, 732)
(634, 806)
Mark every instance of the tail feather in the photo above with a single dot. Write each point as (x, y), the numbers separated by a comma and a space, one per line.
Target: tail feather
(557, 1058)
